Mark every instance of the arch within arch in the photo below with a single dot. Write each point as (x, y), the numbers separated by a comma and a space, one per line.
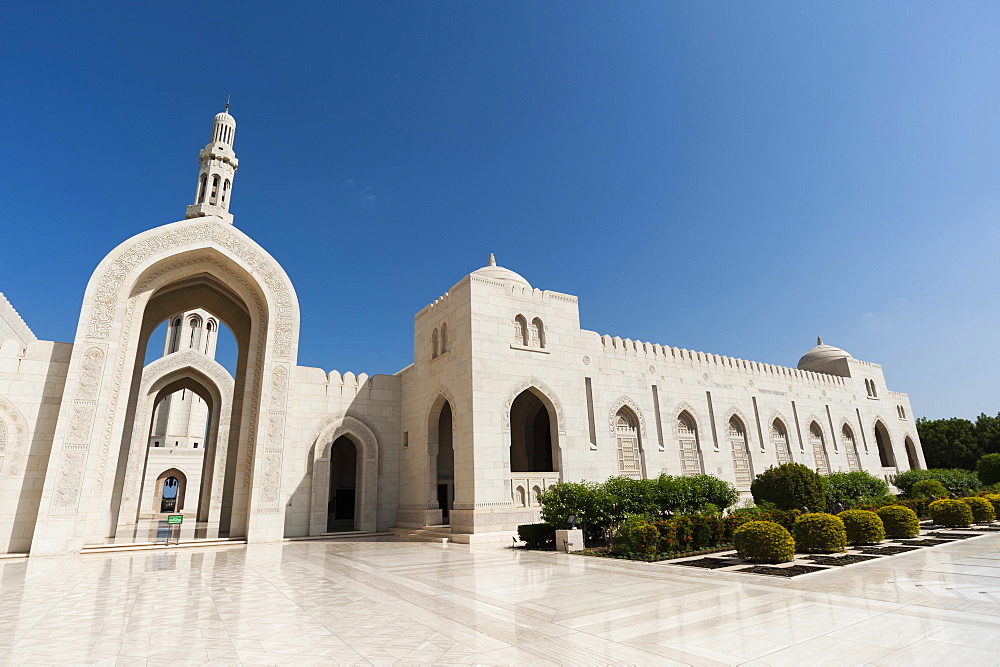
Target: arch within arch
(742, 464)
(818, 445)
(162, 492)
(440, 438)
(367, 445)
(629, 448)
(686, 430)
(884, 443)
(850, 447)
(779, 438)
(534, 440)
(520, 330)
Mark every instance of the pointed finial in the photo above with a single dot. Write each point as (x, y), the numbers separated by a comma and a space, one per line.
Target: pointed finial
(228, 97)
(819, 341)
(493, 260)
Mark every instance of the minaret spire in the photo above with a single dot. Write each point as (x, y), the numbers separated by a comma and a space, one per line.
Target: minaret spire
(217, 166)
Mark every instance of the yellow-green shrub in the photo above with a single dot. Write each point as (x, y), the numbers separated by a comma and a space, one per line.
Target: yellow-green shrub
(982, 509)
(926, 488)
(764, 542)
(899, 522)
(817, 532)
(953, 513)
(862, 527)
(994, 499)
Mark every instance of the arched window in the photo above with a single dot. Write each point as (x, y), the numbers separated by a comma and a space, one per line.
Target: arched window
(779, 438)
(225, 191)
(535, 490)
(444, 338)
(687, 436)
(209, 328)
(519, 497)
(818, 449)
(214, 197)
(175, 336)
(850, 446)
(627, 436)
(195, 324)
(885, 453)
(434, 344)
(741, 453)
(202, 188)
(537, 333)
(911, 454)
(520, 330)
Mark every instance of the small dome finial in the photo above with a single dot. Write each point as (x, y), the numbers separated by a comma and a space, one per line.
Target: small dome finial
(819, 340)
(492, 261)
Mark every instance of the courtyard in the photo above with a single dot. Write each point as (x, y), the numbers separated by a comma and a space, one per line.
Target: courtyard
(386, 602)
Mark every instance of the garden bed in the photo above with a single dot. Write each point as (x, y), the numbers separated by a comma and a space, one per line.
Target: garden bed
(710, 563)
(840, 561)
(887, 551)
(779, 571)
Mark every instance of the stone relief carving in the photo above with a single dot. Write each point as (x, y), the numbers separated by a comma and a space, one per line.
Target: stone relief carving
(542, 388)
(90, 373)
(70, 475)
(271, 479)
(15, 433)
(736, 412)
(279, 388)
(80, 422)
(686, 407)
(625, 401)
(275, 429)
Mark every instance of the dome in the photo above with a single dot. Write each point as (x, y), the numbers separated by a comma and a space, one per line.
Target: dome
(823, 358)
(493, 272)
(224, 117)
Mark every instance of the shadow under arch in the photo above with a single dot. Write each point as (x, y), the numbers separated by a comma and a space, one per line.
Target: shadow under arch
(158, 495)
(367, 444)
(533, 423)
(441, 458)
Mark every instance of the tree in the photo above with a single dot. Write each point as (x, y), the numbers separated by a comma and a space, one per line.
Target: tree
(988, 433)
(950, 443)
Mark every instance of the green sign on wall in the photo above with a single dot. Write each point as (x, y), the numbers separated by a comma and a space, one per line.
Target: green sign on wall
(175, 518)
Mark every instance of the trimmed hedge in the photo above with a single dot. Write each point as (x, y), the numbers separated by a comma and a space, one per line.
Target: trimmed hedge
(952, 513)
(537, 535)
(956, 480)
(994, 499)
(862, 527)
(790, 486)
(645, 537)
(851, 487)
(899, 522)
(784, 518)
(818, 532)
(926, 488)
(764, 542)
(982, 509)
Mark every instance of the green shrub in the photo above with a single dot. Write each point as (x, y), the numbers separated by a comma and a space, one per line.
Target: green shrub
(988, 469)
(982, 509)
(691, 494)
(636, 536)
(994, 499)
(926, 488)
(899, 522)
(953, 513)
(819, 533)
(862, 527)
(537, 535)
(790, 486)
(956, 480)
(764, 542)
(784, 518)
(851, 487)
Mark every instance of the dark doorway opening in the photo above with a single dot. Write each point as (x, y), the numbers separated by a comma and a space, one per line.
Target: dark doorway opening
(343, 485)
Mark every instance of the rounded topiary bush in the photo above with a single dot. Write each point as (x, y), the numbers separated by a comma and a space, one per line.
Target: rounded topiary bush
(953, 513)
(764, 542)
(817, 532)
(988, 469)
(982, 509)
(862, 527)
(899, 522)
(994, 499)
(927, 488)
(790, 486)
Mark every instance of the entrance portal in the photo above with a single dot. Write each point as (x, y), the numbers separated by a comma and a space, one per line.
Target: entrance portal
(168, 499)
(343, 485)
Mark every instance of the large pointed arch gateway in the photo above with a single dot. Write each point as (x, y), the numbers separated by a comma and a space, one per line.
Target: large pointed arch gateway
(198, 263)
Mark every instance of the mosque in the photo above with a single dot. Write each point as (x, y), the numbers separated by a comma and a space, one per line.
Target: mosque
(506, 396)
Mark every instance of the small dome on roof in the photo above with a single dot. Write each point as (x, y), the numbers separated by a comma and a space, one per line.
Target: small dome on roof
(494, 272)
(820, 358)
(225, 117)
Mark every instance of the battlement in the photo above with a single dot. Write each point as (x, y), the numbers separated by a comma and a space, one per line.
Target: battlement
(11, 320)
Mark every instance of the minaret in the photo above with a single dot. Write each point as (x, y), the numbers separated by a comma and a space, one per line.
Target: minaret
(217, 167)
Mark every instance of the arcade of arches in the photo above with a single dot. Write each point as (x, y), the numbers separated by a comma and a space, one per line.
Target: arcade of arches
(103, 437)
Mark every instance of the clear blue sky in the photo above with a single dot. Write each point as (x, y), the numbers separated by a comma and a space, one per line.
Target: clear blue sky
(733, 177)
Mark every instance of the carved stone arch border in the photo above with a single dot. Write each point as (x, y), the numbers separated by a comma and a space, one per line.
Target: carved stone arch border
(776, 414)
(437, 404)
(684, 406)
(367, 443)
(220, 384)
(626, 402)
(810, 420)
(12, 453)
(549, 395)
(736, 412)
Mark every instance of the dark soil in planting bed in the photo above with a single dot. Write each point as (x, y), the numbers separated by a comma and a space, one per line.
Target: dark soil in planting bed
(709, 563)
(887, 551)
(952, 536)
(791, 571)
(924, 543)
(841, 560)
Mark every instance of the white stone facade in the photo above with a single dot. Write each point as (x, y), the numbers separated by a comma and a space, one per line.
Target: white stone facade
(506, 396)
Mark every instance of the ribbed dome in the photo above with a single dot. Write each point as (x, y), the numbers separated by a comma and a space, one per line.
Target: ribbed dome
(494, 272)
(225, 117)
(820, 358)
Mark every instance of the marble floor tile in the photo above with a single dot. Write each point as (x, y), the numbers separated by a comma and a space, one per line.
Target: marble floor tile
(358, 602)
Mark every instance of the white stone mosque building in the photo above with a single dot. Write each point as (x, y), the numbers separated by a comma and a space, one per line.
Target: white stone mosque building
(506, 396)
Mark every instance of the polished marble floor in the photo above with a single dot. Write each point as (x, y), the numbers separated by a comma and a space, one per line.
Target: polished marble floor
(385, 602)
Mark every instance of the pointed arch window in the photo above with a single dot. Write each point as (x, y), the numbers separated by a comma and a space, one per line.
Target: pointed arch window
(225, 191)
(537, 333)
(818, 449)
(520, 330)
(850, 448)
(444, 338)
(202, 189)
(627, 437)
(687, 436)
(742, 465)
(434, 344)
(885, 453)
(779, 438)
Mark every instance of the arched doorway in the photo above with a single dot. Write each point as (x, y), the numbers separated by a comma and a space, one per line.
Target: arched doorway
(911, 454)
(818, 449)
(742, 466)
(851, 448)
(445, 464)
(532, 441)
(687, 437)
(628, 444)
(779, 439)
(342, 505)
(171, 487)
(885, 454)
